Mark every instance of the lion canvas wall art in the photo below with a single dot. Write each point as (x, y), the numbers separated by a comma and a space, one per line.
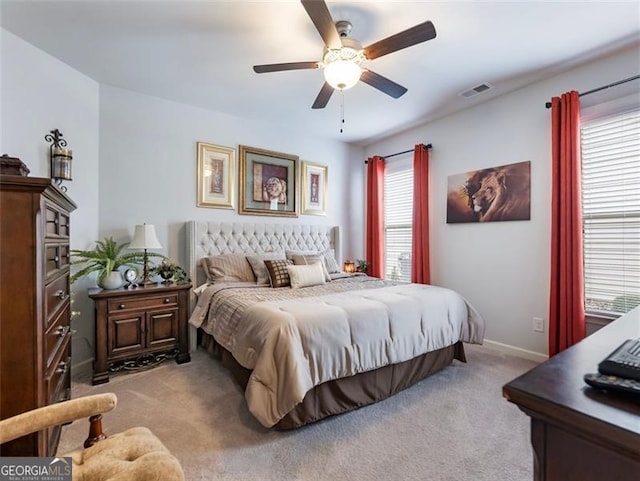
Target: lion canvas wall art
(490, 195)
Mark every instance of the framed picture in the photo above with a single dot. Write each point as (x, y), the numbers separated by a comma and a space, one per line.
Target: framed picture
(216, 181)
(489, 195)
(268, 183)
(314, 188)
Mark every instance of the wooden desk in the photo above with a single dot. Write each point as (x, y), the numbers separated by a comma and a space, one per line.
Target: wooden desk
(579, 433)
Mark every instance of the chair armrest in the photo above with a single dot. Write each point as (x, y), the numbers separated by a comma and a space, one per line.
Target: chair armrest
(55, 414)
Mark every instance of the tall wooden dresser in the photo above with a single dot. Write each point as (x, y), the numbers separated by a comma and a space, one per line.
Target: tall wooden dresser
(35, 308)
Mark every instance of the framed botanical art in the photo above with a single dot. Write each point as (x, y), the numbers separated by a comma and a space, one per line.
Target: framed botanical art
(268, 183)
(314, 188)
(216, 180)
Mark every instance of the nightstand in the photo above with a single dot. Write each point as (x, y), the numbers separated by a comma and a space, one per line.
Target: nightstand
(139, 328)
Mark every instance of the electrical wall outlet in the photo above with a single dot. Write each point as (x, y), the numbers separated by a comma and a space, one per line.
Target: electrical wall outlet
(538, 324)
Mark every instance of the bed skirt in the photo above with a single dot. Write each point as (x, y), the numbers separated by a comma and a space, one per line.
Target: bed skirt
(342, 395)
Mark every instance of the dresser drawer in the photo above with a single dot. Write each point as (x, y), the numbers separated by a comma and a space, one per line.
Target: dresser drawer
(57, 379)
(56, 334)
(56, 222)
(128, 303)
(57, 256)
(56, 294)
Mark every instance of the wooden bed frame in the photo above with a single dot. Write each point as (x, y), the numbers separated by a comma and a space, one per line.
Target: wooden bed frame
(330, 398)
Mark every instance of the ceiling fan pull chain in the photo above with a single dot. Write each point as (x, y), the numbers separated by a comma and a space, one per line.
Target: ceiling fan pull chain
(341, 110)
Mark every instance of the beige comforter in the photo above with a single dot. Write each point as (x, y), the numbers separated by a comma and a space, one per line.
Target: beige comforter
(293, 345)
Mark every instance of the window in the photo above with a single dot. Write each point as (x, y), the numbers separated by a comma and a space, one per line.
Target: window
(611, 212)
(398, 212)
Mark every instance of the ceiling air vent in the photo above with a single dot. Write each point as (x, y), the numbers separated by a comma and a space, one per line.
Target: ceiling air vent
(478, 89)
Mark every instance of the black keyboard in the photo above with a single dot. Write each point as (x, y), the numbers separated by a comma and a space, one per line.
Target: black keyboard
(624, 361)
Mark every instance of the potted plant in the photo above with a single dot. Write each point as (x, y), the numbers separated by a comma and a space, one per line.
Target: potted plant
(170, 272)
(105, 259)
(362, 266)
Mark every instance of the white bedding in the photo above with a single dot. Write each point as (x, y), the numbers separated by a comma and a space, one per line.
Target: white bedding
(293, 345)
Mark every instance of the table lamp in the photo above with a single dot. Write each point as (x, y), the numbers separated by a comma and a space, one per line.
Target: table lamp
(144, 237)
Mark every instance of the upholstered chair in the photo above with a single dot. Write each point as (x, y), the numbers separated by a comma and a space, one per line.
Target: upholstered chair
(133, 455)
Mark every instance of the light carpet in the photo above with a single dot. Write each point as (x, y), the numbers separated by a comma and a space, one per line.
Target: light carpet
(452, 426)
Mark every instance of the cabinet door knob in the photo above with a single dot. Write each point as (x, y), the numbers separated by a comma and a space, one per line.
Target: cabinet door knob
(56, 258)
(121, 306)
(167, 300)
(61, 295)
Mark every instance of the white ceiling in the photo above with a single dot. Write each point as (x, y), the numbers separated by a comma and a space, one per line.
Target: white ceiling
(201, 52)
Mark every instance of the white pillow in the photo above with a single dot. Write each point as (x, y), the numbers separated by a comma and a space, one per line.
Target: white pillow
(306, 276)
(312, 259)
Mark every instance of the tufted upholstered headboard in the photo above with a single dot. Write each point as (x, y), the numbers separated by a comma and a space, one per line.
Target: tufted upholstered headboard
(212, 238)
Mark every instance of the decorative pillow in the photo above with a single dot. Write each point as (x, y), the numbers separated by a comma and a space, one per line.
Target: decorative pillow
(330, 260)
(306, 275)
(258, 267)
(278, 272)
(299, 260)
(290, 254)
(228, 268)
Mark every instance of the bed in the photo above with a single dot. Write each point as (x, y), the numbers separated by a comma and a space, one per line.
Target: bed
(330, 343)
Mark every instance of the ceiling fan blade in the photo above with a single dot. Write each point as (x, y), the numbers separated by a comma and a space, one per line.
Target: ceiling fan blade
(412, 36)
(321, 18)
(278, 67)
(323, 97)
(383, 84)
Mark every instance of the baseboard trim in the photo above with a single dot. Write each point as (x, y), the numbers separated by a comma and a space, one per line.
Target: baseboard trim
(515, 351)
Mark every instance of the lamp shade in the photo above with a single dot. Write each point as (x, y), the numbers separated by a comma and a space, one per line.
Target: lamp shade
(144, 237)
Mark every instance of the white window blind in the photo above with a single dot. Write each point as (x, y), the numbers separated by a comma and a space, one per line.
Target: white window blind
(611, 212)
(398, 212)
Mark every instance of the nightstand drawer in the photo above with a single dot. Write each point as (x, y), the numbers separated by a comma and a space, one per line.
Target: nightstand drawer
(55, 295)
(146, 303)
(56, 335)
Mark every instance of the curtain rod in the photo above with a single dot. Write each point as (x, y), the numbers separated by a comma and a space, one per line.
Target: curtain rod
(635, 77)
(426, 146)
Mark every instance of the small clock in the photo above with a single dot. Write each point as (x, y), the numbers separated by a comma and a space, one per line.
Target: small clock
(131, 275)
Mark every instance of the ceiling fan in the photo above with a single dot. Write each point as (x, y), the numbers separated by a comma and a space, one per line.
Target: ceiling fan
(343, 56)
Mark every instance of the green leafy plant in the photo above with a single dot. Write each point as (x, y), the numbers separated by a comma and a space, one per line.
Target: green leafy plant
(170, 270)
(107, 256)
(362, 265)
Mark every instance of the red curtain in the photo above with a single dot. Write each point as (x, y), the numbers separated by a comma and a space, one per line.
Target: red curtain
(420, 271)
(566, 302)
(375, 216)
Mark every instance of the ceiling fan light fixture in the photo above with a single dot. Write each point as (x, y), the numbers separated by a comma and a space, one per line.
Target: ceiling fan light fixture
(342, 74)
(342, 66)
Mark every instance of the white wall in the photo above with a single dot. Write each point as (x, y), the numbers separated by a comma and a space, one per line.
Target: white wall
(39, 94)
(502, 268)
(148, 168)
